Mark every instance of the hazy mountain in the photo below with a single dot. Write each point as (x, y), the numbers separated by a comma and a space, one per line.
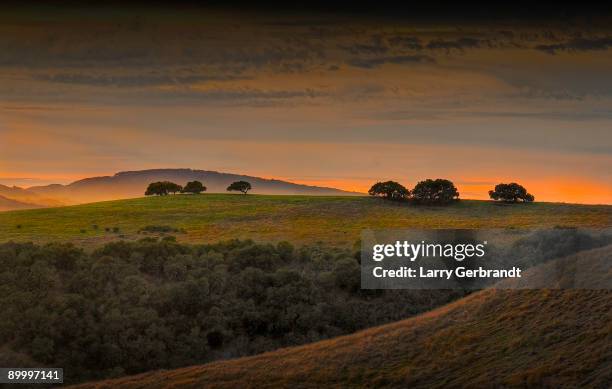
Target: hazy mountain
(7, 204)
(133, 184)
(26, 196)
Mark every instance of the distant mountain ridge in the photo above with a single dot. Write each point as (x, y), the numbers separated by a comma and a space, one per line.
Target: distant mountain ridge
(130, 184)
(26, 198)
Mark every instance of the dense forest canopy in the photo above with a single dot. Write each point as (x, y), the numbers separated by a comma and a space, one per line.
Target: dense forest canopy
(132, 307)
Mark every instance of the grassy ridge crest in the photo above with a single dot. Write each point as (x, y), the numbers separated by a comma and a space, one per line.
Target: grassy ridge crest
(336, 220)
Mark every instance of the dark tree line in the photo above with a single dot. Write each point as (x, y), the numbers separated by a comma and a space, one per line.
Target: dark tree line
(163, 188)
(431, 192)
(441, 191)
(437, 191)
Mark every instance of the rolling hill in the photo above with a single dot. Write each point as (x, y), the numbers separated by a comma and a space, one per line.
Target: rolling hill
(336, 220)
(132, 184)
(493, 338)
(25, 196)
(7, 204)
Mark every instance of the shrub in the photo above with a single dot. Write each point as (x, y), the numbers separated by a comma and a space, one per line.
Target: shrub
(158, 228)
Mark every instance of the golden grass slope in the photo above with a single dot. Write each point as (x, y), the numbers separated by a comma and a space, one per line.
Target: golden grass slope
(493, 338)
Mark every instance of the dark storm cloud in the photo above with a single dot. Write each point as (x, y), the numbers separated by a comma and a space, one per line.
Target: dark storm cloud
(49, 59)
(113, 46)
(575, 94)
(375, 46)
(457, 44)
(33, 108)
(369, 63)
(244, 96)
(406, 42)
(578, 44)
(300, 23)
(259, 94)
(554, 115)
(359, 49)
(131, 80)
(542, 115)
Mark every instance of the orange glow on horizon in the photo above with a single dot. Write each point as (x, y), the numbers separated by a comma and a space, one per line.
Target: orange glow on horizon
(562, 189)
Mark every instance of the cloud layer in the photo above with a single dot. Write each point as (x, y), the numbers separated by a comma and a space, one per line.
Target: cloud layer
(115, 91)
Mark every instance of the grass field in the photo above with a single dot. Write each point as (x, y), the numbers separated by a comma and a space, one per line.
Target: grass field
(490, 339)
(299, 219)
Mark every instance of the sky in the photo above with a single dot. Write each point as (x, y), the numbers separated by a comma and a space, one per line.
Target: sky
(323, 98)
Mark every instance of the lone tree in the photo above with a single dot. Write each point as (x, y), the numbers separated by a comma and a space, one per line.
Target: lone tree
(240, 186)
(389, 190)
(511, 193)
(162, 188)
(194, 187)
(438, 191)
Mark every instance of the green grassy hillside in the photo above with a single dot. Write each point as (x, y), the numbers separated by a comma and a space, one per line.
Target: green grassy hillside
(299, 219)
(494, 338)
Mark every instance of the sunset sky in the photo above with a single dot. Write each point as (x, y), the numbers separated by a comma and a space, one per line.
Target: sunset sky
(330, 99)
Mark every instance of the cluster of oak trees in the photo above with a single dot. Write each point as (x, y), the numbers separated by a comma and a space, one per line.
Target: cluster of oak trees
(438, 191)
(442, 191)
(163, 188)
